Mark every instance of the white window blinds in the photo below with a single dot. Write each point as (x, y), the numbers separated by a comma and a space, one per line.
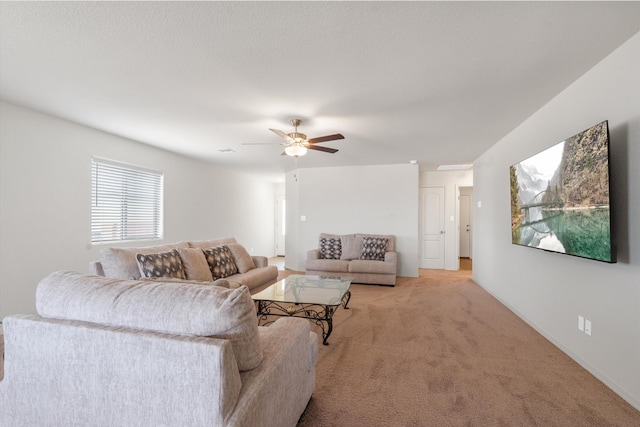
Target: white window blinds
(126, 202)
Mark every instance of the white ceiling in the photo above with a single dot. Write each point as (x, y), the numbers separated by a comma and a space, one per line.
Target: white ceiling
(437, 82)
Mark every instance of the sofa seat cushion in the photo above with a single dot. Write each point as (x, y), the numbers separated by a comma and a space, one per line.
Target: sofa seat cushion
(174, 308)
(256, 276)
(371, 266)
(334, 265)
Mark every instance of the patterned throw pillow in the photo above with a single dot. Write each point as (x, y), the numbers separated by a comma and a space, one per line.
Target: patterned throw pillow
(220, 261)
(330, 248)
(373, 248)
(164, 264)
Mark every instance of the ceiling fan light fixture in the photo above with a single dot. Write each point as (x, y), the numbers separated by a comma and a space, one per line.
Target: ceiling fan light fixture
(295, 150)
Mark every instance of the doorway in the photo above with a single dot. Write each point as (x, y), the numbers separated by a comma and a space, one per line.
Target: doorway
(432, 227)
(280, 225)
(466, 227)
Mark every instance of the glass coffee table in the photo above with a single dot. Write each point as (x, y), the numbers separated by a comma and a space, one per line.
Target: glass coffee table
(313, 297)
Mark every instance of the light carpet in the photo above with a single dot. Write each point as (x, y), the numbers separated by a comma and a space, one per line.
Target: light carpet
(438, 350)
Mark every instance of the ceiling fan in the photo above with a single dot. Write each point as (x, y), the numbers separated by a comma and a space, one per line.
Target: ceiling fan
(297, 142)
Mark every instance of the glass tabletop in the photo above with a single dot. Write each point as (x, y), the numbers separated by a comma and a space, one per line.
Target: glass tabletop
(302, 289)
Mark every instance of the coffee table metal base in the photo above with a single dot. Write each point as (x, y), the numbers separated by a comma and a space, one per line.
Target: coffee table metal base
(320, 314)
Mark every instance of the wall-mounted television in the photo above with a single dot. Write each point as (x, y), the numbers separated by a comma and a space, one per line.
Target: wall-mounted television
(561, 199)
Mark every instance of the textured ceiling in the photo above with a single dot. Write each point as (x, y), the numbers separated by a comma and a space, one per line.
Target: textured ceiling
(437, 82)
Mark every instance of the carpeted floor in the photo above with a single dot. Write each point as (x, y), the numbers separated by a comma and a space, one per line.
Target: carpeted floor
(440, 351)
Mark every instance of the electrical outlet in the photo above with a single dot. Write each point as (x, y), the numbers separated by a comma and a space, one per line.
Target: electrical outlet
(587, 327)
(580, 323)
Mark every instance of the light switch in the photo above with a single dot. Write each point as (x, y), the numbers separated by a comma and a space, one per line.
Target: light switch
(479, 203)
(303, 218)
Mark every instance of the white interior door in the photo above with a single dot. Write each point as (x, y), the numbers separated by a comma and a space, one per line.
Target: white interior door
(432, 227)
(280, 224)
(465, 226)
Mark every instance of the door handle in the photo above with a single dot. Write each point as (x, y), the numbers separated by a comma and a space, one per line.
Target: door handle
(442, 232)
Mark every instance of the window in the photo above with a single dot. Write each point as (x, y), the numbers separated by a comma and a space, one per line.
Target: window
(126, 202)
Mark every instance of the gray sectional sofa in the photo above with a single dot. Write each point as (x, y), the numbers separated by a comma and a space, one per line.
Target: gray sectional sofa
(366, 258)
(113, 352)
(240, 268)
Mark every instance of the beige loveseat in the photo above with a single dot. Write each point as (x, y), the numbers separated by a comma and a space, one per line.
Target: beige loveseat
(238, 267)
(366, 258)
(111, 352)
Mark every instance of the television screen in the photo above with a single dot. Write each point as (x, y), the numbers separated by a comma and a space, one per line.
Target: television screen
(560, 198)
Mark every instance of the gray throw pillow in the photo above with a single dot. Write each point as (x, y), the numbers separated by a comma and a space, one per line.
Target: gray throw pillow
(220, 260)
(373, 248)
(164, 264)
(330, 248)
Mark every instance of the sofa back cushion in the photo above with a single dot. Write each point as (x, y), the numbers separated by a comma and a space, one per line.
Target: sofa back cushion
(351, 246)
(195, 264)
(175, 308)
(205, 244)
(241, 257)
(121, 263)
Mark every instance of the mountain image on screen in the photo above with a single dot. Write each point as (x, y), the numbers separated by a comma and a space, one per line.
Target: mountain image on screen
(560, 198)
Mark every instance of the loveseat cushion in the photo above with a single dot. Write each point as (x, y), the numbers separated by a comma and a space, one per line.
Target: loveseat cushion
(175, 308)
(371, 267)
(351, 246)
(333, 265)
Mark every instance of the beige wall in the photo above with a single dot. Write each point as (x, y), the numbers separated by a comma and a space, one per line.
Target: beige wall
(550, 290)
(356, 199)
(45, 191)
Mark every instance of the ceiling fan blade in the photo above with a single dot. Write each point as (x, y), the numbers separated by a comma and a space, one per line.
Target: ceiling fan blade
(319, 148)
(280, 133)
(325, 138)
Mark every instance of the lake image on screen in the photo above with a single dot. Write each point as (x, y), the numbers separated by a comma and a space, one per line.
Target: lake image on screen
(560, 197)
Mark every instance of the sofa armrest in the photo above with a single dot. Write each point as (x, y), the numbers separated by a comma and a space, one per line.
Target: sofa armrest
(275, 393)
(313, 254)
(260, 261)
(391, 257)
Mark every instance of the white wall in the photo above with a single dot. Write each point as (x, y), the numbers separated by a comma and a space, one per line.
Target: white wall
(451, 181)
(550, 290)
(45, 200)
(357, 199)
